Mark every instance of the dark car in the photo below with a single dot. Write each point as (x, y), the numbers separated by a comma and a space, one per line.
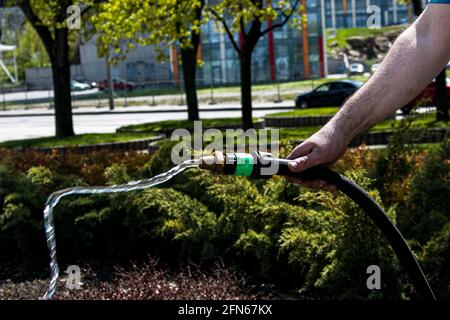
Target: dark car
(425, 98)
(328, 94)
(118, 84)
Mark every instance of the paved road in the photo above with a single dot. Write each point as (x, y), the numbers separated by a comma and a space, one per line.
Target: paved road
(40, 122)
(38, 95)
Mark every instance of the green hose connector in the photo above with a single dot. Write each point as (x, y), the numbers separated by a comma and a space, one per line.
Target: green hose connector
(244, 165)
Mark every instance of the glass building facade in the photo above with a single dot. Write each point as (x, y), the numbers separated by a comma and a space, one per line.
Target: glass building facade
(287, 53)
(355, 13)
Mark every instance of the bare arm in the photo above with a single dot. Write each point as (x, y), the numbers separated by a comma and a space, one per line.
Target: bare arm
(416, 57)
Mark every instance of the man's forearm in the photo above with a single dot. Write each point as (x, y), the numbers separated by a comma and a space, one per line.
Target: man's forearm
(413, 61)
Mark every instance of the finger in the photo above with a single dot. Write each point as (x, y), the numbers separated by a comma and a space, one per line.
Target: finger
(330, 188)
(305, 183)
(301, 150)
(320, 184)
(310, 160)
(295, 180)
(315, 184)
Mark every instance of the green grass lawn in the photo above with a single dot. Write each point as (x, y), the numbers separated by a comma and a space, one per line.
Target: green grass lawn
(325, 111)
(77, 140)
(186, 124)
(293, 85)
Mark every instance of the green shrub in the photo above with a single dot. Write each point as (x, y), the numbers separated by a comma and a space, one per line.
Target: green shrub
(335, 245)
(435, 260)
(117, 174)
(271, 228)
(427, 208)
(21, 206)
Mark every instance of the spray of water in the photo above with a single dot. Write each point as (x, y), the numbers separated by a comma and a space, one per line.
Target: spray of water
(54, 199)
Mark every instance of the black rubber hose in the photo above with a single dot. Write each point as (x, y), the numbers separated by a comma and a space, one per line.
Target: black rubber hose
(377, 214)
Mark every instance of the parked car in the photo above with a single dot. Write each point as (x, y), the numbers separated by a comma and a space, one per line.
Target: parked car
(356, 68)
(426, 98)
(374, 67)
(82, 79)
(79, 86)
(118, 84)
(328, 94)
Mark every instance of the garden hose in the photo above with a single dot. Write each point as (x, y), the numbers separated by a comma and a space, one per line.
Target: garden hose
(264, 165)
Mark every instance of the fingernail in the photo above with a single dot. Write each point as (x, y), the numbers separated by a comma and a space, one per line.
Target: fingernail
(293, 164)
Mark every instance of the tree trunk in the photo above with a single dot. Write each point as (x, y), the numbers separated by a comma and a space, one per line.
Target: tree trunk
(189, 65)
(246, 89)
(441, 97)
(61, 84)
(109, 80)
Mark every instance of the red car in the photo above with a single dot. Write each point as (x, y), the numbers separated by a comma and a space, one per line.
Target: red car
(426, 98)
(118, 84)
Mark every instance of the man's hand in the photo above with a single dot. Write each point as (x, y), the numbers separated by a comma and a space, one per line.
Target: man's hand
(323, 148)
(416, 57)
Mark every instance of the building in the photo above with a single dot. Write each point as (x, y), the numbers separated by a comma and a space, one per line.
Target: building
(141, 65)
(289, 53)
(355, 13)
(286, 53)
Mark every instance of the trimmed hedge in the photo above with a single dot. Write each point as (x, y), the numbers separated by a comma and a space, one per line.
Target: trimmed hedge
(272, 229)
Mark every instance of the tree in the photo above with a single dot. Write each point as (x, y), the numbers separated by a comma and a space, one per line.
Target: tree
(441, 86)
(30, 50)
(48, 18)
(247, 18)
(152, 22)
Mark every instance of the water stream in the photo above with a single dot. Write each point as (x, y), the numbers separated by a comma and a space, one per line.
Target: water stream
(54, 199)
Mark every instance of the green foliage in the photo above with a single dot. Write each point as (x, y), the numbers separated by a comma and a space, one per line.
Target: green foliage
(21, 202)
(161, 161)
(428, 208)
(30, 51)
(435, 260)
(178, 218)
(245, 12)
(335, 243)
(117, 174)
(272, 229)
(147, 23)
(41, 176)
(394, 167)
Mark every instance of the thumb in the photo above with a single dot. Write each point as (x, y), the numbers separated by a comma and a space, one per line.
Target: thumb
(310, 160)
(301, 150)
